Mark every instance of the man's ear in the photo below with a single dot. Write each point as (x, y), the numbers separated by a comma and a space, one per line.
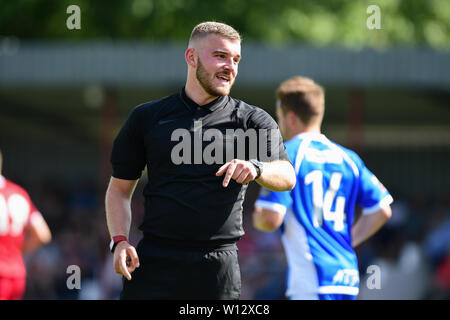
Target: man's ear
(292, 117)
(191, 57)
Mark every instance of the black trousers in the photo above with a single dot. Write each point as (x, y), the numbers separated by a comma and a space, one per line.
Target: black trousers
(184, 274)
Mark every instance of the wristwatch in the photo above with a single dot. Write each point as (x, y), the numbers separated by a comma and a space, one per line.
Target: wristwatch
(258, 166)
(115, 240)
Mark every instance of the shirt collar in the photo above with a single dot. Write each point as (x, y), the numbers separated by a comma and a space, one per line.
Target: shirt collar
(310, 135)
(212, 106)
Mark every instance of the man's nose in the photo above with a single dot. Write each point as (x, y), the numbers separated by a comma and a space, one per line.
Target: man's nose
(230, 66)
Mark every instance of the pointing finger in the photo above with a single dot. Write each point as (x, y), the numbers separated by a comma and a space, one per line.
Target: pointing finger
(229, 174)
(222, 169)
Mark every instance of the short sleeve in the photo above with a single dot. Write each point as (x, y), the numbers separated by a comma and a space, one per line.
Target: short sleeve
(275, 201)
(35, 215)
(372, 195)
(128, 152)
(271, 146)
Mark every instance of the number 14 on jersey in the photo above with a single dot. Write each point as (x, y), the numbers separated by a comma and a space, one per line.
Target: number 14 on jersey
(322, 203)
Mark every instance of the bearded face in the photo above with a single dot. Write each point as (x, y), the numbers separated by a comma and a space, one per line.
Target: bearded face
(217, 64)
(214, 83)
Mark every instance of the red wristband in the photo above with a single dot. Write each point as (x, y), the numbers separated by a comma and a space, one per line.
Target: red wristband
(115, 240)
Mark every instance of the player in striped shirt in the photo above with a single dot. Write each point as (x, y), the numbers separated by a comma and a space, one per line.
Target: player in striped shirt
(316, 218)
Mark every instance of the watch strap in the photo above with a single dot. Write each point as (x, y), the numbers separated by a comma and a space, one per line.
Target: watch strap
(258, 167)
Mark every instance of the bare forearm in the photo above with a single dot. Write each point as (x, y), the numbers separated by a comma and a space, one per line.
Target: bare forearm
(118, 215)
(264, 220)
(30, 245)
(259, 222)
(277, 176)
(37, 234)
(368, 225)
(118, 211)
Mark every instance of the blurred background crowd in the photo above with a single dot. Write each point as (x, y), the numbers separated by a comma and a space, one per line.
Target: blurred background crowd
(65, 92)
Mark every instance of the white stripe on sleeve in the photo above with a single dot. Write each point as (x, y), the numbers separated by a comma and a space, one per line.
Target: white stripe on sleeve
(271, 206)
(380, 205)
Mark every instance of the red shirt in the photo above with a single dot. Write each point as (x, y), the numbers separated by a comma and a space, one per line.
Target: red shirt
(16, 212)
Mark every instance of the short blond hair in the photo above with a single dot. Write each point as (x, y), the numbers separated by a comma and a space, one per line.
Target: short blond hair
(304, 97)
(211, 27)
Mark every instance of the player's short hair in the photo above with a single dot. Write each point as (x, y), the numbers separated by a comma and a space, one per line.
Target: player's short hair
(302, 96)
(1, 161)
(211, 27)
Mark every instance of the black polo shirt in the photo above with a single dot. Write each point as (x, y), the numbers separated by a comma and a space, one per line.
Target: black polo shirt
(183, 145)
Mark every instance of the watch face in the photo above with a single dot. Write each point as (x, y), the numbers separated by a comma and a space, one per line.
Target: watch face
(111, 245)
(256, 163)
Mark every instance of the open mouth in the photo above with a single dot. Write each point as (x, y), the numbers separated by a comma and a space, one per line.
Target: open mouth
(223, 77)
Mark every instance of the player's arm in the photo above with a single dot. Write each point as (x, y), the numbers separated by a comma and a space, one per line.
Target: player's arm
(37, 234)
(368, 224)
(270, 209)
(375, 201)
(118, 217)
(266, 219)
(277, 175)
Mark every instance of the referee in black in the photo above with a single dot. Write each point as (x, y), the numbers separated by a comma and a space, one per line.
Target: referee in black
(195, 189)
